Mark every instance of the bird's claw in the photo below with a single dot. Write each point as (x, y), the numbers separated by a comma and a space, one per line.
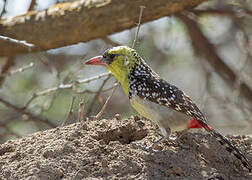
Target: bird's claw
(183, 146)
(176, 141)
(173, 138)
(148, 149)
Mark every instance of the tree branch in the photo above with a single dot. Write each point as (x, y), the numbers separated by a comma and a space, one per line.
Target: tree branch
(3, 11)
(204, 48)
(81, 21)
(32, 5)
(90, 108)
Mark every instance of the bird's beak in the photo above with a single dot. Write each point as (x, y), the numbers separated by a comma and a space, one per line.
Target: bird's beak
(98, 60)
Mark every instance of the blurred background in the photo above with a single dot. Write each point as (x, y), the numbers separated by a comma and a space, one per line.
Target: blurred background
(207, 52)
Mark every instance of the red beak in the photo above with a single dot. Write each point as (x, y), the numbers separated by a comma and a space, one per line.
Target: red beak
(98, 60)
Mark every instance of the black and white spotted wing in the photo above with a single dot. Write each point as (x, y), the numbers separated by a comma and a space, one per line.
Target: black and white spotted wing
(147, 86)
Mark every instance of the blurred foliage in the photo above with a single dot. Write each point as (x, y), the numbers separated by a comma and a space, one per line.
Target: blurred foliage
(166, 46)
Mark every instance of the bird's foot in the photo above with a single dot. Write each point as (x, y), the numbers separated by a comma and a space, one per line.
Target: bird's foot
(176, 140)
(173, 138)
(183, 146)
(148, 149)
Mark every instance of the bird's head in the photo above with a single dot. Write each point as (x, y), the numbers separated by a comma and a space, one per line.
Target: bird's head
(117, 58)
(119, 61)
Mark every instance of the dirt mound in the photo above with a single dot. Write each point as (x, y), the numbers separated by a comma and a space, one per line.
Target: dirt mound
(104, 149)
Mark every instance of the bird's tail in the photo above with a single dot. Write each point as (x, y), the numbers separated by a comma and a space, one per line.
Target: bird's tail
(228, 145)
(194, 123)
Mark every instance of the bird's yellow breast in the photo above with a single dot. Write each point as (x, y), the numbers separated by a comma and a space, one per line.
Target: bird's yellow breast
(161, 115)
(146, 108)
(141, 108)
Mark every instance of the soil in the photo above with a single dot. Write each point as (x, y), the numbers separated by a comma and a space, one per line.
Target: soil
(105, 149)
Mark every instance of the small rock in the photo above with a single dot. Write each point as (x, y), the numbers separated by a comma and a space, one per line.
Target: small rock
(117, 116)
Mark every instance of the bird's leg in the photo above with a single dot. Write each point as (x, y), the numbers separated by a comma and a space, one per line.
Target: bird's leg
(165, 132)
(150, 148)
(182, 133)
(178, 138)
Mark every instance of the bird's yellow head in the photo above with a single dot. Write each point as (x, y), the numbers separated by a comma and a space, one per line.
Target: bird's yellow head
(119, 61)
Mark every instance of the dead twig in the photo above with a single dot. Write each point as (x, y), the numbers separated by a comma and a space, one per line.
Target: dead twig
(92, 78)
(89, 111)
(3, 11)
(81, 110)
(32, 5)
(138, 26)
(48, 91)
(10, 62)
(64, 86)
(70, 112)
(21, 69)
(106, 103)
(24, 44)
(226, 12)
(42, 57)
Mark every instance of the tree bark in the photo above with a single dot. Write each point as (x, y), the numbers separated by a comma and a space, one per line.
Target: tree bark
(81, 21)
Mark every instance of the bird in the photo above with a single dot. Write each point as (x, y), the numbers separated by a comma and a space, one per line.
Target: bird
(157, 100)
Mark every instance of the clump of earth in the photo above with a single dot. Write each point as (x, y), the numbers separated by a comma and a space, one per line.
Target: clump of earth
(106, 149)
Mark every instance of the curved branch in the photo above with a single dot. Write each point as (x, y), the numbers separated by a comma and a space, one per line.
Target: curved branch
(204, 48)
(81, 21)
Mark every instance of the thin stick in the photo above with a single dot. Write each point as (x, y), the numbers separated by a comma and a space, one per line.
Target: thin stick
(32, 5)
(89, 111)
(138, 26)
(81, 110)
(106, 103)
(21, 69)
(42, 57)
(3, 8)
(64, 86)
(92, 78)
(25, 44)
(70, 113)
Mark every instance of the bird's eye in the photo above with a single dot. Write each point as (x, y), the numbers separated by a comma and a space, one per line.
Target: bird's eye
(111, 56)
